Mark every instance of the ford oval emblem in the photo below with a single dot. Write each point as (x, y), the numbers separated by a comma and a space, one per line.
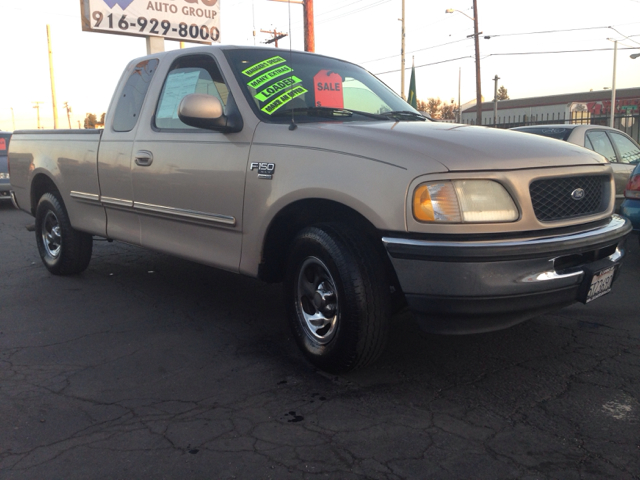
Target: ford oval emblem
(577, 194)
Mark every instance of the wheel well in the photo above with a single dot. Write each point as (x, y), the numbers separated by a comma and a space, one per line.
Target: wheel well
(305, 213)
(40, 185)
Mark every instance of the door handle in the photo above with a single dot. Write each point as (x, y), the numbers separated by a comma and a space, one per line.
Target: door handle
(144, 158)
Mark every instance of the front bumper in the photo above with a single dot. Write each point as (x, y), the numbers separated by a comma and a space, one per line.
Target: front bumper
(462, 287)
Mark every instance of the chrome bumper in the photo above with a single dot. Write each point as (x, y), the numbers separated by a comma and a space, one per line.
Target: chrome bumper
(475, 286)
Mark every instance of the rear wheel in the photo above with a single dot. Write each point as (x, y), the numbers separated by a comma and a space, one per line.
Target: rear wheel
(337, 297)
(63, 250)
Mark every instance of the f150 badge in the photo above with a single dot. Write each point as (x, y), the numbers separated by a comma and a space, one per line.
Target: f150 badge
(265, 170)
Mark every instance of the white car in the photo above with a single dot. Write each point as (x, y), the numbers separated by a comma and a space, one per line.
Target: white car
(617, 147)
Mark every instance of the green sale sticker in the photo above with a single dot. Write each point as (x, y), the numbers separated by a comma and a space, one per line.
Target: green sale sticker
(270, 75)
(277, 87)
(283, 99)
(263, 65)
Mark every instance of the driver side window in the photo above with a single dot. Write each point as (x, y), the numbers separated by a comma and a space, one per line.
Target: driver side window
(191, 74)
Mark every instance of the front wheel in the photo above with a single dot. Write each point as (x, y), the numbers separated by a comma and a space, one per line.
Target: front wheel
(338, 298)
(63, 250)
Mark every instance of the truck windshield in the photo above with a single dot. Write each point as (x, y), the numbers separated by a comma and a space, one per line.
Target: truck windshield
(314, 88)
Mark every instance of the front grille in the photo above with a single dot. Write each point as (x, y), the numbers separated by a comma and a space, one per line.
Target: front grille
(552, 198)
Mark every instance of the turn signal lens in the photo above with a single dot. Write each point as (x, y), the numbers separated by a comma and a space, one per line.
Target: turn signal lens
(436, 201)
(463, 201)
(633, 187)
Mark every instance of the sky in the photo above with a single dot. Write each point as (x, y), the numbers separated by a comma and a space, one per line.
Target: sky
(523, 48)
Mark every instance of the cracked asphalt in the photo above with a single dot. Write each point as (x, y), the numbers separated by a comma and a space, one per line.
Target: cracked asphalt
(147, 366)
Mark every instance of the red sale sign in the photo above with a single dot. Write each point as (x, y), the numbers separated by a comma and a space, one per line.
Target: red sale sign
(328, 89)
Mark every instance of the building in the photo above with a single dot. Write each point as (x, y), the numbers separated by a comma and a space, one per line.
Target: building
(588, 107)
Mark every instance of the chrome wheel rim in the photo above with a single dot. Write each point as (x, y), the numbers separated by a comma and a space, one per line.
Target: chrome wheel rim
(51, 235)
(317, 301)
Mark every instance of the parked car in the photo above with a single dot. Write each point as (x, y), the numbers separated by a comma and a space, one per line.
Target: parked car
(631, 206)
(5, 184)
(616, 146)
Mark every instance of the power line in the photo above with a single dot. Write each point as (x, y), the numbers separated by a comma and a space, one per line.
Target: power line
(426, 64)
(558, 51)
(362, 9)
(419, 50)
(507, 35)
(511, 54)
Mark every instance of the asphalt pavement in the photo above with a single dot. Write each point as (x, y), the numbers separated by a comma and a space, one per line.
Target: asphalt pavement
(151, 367)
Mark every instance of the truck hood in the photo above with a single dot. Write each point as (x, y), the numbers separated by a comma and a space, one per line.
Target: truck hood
(452, 146)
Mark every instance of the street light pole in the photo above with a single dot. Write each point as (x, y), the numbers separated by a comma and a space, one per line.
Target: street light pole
(402, 56)
(613, 85)
(476, 36)
(495, 101)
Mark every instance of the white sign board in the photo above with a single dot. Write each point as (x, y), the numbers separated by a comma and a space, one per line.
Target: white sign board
(183, 20)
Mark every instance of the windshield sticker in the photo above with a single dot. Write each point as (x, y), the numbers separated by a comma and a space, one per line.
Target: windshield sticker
(271, 90)
(283, 99)
(328, 89)
(263, 65)
(270, 75)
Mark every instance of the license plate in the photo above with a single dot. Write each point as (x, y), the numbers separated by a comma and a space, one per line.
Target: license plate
(600, 284)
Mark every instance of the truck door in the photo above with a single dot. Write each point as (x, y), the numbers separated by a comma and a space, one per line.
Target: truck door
(114, 156)
(188, 183)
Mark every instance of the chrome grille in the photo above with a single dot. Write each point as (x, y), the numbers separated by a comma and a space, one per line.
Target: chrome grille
(552, 198)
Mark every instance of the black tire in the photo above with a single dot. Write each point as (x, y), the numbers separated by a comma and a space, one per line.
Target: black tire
(338, 298)
(64, 251)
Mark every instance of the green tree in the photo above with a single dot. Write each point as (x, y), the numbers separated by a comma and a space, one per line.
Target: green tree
(448, 111)
(502, 93)
(433, 107)
(90, 120)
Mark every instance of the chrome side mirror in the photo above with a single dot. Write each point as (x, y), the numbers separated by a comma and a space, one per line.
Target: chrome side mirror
(206, 111)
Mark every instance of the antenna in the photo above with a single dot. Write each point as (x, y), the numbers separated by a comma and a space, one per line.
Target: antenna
(293, 125)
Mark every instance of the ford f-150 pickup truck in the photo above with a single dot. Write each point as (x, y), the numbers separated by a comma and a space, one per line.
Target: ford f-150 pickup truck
(307, 170)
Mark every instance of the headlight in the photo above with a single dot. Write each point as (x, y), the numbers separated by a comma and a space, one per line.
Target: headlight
(463, 201)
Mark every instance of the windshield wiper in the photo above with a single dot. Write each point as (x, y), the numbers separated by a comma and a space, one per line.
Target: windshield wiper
(405, 115)
(328, 112)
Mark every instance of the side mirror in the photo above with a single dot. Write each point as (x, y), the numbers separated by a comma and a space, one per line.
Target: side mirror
(206, 111)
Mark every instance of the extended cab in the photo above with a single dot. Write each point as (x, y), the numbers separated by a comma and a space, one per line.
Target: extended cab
(307, 170)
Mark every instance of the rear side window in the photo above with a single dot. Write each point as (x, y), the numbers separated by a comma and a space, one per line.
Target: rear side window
(132, 97)
(190, 74)
(4, 143)
(629, 151)
(601, 144)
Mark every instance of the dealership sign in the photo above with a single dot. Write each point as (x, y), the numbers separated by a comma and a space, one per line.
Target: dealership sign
(183, 20)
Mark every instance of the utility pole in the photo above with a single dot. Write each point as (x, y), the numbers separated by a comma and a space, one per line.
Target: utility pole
(476, 37)
(276, 36)
(13, 118)
(613, 85)
(495, 101)
(37, 107)
(402, 55)
(309, 31)
(68, 109)
(53, 83)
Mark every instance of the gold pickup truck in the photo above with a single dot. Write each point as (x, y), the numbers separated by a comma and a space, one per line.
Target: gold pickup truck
(307, 170)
